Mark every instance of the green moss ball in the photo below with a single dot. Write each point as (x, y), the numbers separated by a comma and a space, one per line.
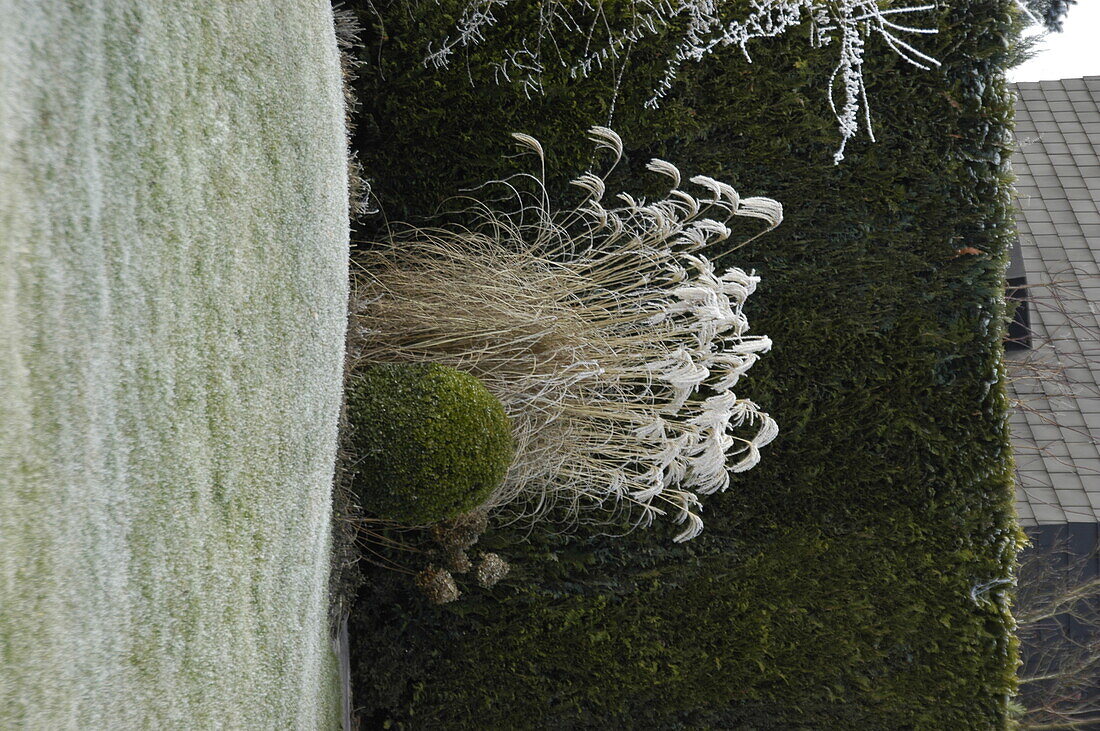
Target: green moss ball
(428, 441)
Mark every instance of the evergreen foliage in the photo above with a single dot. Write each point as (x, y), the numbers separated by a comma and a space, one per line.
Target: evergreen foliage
(858, 579)
(429, 442)
(1051, 13)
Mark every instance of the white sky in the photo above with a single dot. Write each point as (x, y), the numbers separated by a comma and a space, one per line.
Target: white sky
(1071, 54)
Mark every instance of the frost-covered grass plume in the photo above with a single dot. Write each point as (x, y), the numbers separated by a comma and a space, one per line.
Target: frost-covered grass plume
(611, 339)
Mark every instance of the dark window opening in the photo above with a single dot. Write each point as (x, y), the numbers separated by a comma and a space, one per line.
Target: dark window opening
(1019, 329)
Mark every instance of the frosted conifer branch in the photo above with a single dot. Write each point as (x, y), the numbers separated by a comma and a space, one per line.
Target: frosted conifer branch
(849, 22)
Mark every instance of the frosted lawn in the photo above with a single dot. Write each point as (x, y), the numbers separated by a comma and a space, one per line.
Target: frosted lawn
(173, 241)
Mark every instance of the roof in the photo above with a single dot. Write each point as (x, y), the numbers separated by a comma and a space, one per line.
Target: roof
(1056, 432)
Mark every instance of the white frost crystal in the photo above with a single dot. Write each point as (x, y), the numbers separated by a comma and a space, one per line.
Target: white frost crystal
(173, 252)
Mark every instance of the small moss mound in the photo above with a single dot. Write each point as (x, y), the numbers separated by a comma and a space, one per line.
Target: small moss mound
(429, 441)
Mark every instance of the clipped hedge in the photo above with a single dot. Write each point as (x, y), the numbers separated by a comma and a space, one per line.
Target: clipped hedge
(837, 584)
(428, 442)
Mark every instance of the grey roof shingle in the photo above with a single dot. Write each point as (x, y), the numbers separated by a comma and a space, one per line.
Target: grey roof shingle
(1056, 431)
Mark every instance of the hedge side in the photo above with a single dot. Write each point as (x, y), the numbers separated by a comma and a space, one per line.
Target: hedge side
(837, 584)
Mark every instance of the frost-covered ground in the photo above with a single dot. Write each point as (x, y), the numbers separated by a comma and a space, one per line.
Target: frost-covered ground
(172, 305)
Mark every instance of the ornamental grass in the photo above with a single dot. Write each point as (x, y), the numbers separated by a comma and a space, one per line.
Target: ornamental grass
(610, 338)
